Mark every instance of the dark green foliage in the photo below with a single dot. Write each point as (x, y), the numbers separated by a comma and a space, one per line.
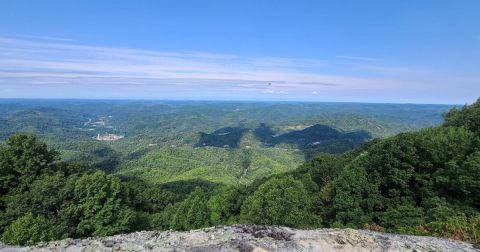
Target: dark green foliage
(279, 135)
(185, 187)
(225, 208)
(22, 161)
(193, 213)
(308, 183)
(399, 183)
(162, 220)
(28, 229)
(151, 199)
(395, 182)
(281, 202)
(468, 117)
(402, 218)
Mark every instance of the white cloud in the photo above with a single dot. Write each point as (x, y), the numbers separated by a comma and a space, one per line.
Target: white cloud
(273, 92)
(48, 38)
(72, 67)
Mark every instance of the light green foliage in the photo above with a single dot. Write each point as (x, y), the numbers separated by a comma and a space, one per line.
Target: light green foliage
(217, 206)
(28, 228)
(213, 164)
(323, 202)
(192, 213)
(100, 205)
(280, 202)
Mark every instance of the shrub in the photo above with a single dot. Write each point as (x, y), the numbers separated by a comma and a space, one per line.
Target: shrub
(28, 229)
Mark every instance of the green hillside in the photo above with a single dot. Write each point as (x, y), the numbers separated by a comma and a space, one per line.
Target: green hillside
(225, 142)
(424, 182)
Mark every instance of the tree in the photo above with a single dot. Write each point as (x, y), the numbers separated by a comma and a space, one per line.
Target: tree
(28, 228)
(402, 173)
(468, 117)
(162, 220)
(225, 208)
(192, 213)
(101, 205)
(23, 160)
(308, 183)
(280, 202)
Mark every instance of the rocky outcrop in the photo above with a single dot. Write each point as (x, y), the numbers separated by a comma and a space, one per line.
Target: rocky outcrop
(255, 239)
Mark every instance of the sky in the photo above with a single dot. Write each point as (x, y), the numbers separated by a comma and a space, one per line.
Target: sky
(323, 51)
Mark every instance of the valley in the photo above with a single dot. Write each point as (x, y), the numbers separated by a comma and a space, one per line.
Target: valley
(222, 143)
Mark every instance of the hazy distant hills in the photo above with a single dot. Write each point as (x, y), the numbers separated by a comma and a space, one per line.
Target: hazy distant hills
(220, 142)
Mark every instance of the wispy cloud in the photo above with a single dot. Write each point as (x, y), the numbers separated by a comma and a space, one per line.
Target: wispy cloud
(34, 68)
(45, 38)
(355, 58)
(274, 92)
(390, 70)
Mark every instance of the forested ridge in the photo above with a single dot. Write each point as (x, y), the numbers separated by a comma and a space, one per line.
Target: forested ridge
(425, 182)
(215, 143)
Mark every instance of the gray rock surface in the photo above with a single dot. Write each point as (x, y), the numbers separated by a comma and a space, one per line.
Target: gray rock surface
(254, 239)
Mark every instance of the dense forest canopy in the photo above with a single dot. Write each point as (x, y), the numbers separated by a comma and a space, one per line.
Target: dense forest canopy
(425, 182)
(205, 142)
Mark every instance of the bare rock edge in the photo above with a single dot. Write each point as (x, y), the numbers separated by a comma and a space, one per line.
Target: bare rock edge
(254, 238)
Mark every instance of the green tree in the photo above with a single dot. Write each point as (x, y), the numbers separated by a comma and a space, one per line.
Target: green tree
(192, 213)
(280, 202)
(148, 198)
(23, 160)
(468, 117)
(101, 205)
(162, 220)
(28, 228)
(225, 209)
(405, 171)
(308, 183)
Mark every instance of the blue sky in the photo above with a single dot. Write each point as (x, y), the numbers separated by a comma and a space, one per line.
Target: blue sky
(326, 51)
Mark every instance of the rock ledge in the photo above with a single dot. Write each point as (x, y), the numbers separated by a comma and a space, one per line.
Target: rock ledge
(254, 238)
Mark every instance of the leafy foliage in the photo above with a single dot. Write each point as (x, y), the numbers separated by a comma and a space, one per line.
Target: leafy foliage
(101, 205)
(193, 213)
(281, 202)
(28, 229)
(173, 169)
(402, 181)
(22, 161)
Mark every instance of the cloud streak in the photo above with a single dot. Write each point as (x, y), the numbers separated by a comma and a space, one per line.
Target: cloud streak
(355, 58)
(36, 68)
